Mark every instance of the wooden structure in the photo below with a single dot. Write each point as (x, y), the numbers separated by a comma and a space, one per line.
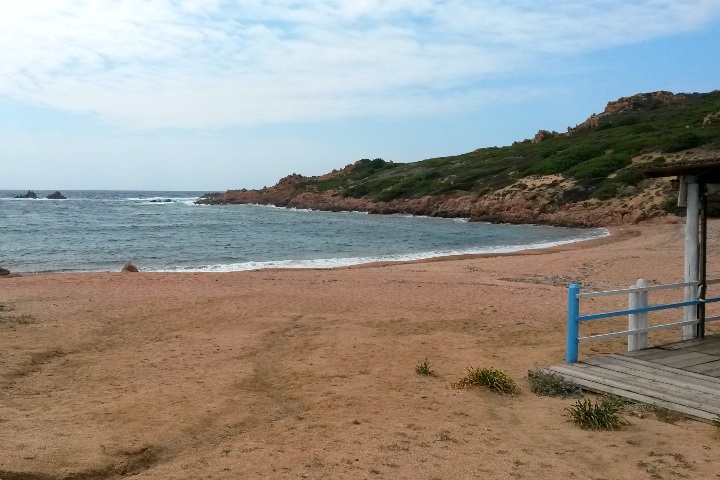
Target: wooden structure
(683, 376)
(698, 183)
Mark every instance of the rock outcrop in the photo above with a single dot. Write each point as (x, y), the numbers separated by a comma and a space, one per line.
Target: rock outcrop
(537, 200)
(56, 196)
(29, 194)
(129, 267)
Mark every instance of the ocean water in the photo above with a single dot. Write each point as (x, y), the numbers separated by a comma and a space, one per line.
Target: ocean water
(101, 230)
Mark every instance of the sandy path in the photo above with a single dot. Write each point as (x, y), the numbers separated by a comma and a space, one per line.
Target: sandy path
(311, 373)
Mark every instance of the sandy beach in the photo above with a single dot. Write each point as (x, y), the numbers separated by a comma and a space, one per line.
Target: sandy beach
(311, 373)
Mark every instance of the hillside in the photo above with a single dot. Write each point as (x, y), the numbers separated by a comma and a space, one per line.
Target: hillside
(582, 177)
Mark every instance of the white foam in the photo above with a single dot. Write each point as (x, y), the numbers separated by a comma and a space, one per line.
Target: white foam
(346, 262)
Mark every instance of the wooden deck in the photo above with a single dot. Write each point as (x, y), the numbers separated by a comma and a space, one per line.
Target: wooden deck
(682, 376)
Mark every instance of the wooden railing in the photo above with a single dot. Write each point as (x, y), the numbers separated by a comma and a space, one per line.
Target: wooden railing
(637, 313)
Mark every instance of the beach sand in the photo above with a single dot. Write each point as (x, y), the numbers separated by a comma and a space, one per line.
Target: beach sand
(311, 373)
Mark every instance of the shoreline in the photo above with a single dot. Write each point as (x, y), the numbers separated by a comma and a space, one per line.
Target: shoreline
(311, 373)
(359, 262)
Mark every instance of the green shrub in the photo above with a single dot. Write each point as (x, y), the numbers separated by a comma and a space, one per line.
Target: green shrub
(550, 384)
(628, 177)
(565, 159)
(491, 378)
(599, 167)
(682, 141)
(423, 368)
(604, 414)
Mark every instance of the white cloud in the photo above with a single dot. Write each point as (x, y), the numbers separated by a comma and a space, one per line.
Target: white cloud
(206, 63)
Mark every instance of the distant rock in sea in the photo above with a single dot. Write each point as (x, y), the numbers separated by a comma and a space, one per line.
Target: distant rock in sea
(29, 194)
(161, 200)
(56, 196)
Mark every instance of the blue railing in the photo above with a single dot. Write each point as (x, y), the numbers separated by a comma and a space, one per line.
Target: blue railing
(574, 317)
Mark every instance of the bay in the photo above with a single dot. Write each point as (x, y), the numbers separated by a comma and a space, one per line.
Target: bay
(167, 231)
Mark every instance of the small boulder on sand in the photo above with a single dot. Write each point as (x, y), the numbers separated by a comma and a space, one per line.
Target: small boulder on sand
(129, 267)
(4, 271)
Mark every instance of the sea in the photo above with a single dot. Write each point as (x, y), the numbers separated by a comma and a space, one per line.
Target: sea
(166, 231)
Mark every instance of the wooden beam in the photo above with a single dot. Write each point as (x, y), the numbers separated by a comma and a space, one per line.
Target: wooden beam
(692, 230)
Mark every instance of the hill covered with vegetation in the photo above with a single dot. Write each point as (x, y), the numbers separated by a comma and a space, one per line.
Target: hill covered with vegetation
(579, 177)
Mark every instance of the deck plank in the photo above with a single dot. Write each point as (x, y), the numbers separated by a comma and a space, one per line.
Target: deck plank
(654, 387)
(634, 396)
(663, 368)
(677, 378)
(605, 385)
(685, 360)
(681, 376)
(703, 367)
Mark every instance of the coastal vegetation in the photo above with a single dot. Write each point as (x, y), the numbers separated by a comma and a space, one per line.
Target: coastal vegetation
(423, 368)
(549, 384)
(586, 176)
(606, 413)
(491, 378)
(596, 153)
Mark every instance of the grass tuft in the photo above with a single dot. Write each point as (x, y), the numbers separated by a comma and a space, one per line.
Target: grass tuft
(604, 414)
(550, 384)
(24, 319)
(423, 368)
(491, 378)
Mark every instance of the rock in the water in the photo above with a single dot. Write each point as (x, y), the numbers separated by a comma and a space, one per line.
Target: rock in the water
(129, 267)
(57, 196)
(161, 200)
(29, 194)
(4, 271)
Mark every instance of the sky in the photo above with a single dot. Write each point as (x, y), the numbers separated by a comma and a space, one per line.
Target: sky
(211, 95)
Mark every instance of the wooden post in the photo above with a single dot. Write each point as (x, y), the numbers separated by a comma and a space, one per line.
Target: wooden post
(692, 227)
(638, 320)
(702, 294)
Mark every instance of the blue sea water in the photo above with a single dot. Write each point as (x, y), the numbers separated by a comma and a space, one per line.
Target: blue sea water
(101, 230)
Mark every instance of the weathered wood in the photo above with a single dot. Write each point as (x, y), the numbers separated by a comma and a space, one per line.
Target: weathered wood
(656, 387)
(687, 359)
(647, 353)
(712, 340)
(703, 367)
(677, 378)
(637, 321)
(682, 376)
(701, 409)
(634, 396)
(692, 252)
(696, 377)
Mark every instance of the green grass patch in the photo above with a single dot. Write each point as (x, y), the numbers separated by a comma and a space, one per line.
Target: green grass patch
(24, 319)
(491, 378)
(606, 413)
(423, 368)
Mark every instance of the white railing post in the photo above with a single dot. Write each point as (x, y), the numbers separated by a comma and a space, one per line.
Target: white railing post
(637, 321)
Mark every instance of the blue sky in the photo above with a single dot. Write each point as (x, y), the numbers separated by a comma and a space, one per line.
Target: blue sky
(212, 94)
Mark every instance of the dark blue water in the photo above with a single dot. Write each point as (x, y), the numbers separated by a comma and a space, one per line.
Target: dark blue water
(101, 230)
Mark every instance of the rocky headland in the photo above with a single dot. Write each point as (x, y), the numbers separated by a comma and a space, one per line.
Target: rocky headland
(566, 196)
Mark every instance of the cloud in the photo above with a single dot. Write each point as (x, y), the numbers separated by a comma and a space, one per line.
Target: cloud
(215, 63)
